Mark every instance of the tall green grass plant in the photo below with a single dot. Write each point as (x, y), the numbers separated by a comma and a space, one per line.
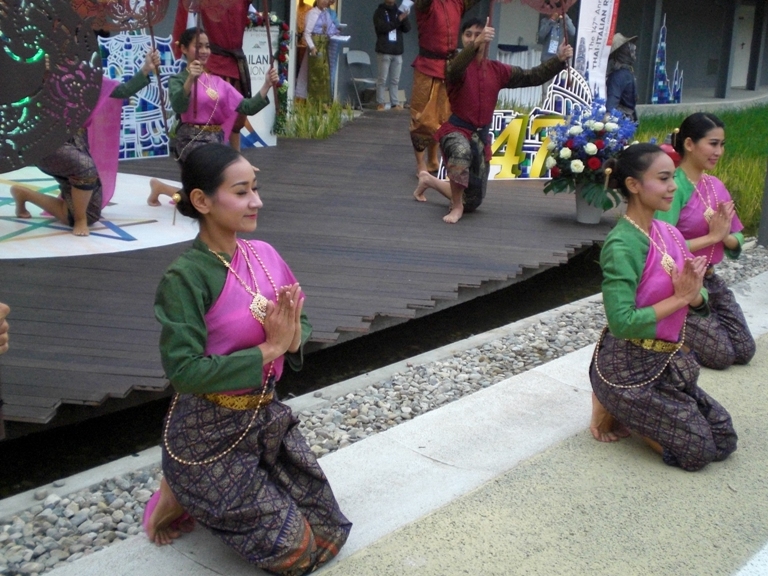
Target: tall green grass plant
(743, 166)
(315, 120)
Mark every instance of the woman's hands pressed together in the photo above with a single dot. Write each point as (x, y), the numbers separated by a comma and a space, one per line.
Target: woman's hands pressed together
(688, 282)
(282, 324)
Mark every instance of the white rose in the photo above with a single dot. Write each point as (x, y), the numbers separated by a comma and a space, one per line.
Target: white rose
(589, 124)
(550, 162)
(565, 153)
(590, 148)
(611, 127)
(551, 146)
(597, 126)
(577, 166)
(575, 130)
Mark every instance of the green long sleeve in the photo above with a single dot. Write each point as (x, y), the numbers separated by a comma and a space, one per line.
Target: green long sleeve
(189, 288)
(129, 88)
(622, 259)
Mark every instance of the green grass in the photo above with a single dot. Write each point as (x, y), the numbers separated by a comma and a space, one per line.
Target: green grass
(315, 120)
(743, 166)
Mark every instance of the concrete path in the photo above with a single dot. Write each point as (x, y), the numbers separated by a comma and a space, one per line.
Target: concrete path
(509, 481)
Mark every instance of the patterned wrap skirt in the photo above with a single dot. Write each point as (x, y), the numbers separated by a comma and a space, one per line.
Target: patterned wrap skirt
(191, 136)
(722, 338)
(465, 164)
(430, 109)
(319, 71)
(267, 498)
(692, 428)
(73, 167)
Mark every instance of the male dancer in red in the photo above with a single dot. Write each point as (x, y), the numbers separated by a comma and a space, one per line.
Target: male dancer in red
(474, 83)
(438, 22)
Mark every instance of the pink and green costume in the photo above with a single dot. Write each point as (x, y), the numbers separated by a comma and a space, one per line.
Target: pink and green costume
(722, 338)
(267, 498)
(653, 393)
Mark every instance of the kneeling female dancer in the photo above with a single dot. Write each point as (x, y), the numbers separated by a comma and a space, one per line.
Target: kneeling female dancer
(703, 211)
(642, 377)
(231, 315)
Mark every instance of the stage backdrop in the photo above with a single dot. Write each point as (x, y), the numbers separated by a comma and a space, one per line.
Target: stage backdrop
(258, 129)
(597, 24)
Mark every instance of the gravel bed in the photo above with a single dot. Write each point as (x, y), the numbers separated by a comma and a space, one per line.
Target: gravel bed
(62, 529)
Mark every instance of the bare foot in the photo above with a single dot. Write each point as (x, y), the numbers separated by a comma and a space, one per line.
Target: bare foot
(155, 187)
(418, 194)
(81, 228)
(603, 426)
(454, 215)
(168, 509)
(19, 195)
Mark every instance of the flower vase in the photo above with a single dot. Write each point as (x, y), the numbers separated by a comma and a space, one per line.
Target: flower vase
(585, 212)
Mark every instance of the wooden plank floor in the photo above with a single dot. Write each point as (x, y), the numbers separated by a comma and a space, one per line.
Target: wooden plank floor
(340, 212)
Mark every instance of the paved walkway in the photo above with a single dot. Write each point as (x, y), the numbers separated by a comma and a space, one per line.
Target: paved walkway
(509, 481)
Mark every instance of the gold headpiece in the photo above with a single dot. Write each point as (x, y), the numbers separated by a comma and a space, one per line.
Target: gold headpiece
(176, 199)
(608, 173)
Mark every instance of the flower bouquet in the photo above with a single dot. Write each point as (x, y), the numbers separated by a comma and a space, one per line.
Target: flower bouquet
(578, 149)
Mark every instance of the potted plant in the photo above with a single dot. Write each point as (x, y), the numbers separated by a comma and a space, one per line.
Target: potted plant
(576, 153)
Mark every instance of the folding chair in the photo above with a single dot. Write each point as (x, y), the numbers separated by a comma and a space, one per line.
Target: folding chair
(359, 65)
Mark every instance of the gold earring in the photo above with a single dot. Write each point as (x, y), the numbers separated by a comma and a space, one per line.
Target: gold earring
(675, 132)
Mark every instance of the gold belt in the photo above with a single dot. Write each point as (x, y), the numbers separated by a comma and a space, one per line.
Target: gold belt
(207, 127)
(656, 345)
(241, 402)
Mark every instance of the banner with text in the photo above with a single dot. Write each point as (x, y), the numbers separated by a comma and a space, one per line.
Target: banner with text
(258, 128)
(597, 24)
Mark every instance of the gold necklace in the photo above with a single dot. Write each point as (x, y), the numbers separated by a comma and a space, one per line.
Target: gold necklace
(667, 262)
(213, 94)
(263, 400)
(711, 195)
(258, 306)
(683, 250)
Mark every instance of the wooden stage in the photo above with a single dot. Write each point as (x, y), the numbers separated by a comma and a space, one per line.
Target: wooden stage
(340, 212)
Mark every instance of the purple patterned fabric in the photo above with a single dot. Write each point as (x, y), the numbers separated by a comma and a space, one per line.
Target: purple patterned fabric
(656, 284)
(692, 428)
(268, 499)
(190, 137)
(73, 167)
(692, 223)
(722, 338)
